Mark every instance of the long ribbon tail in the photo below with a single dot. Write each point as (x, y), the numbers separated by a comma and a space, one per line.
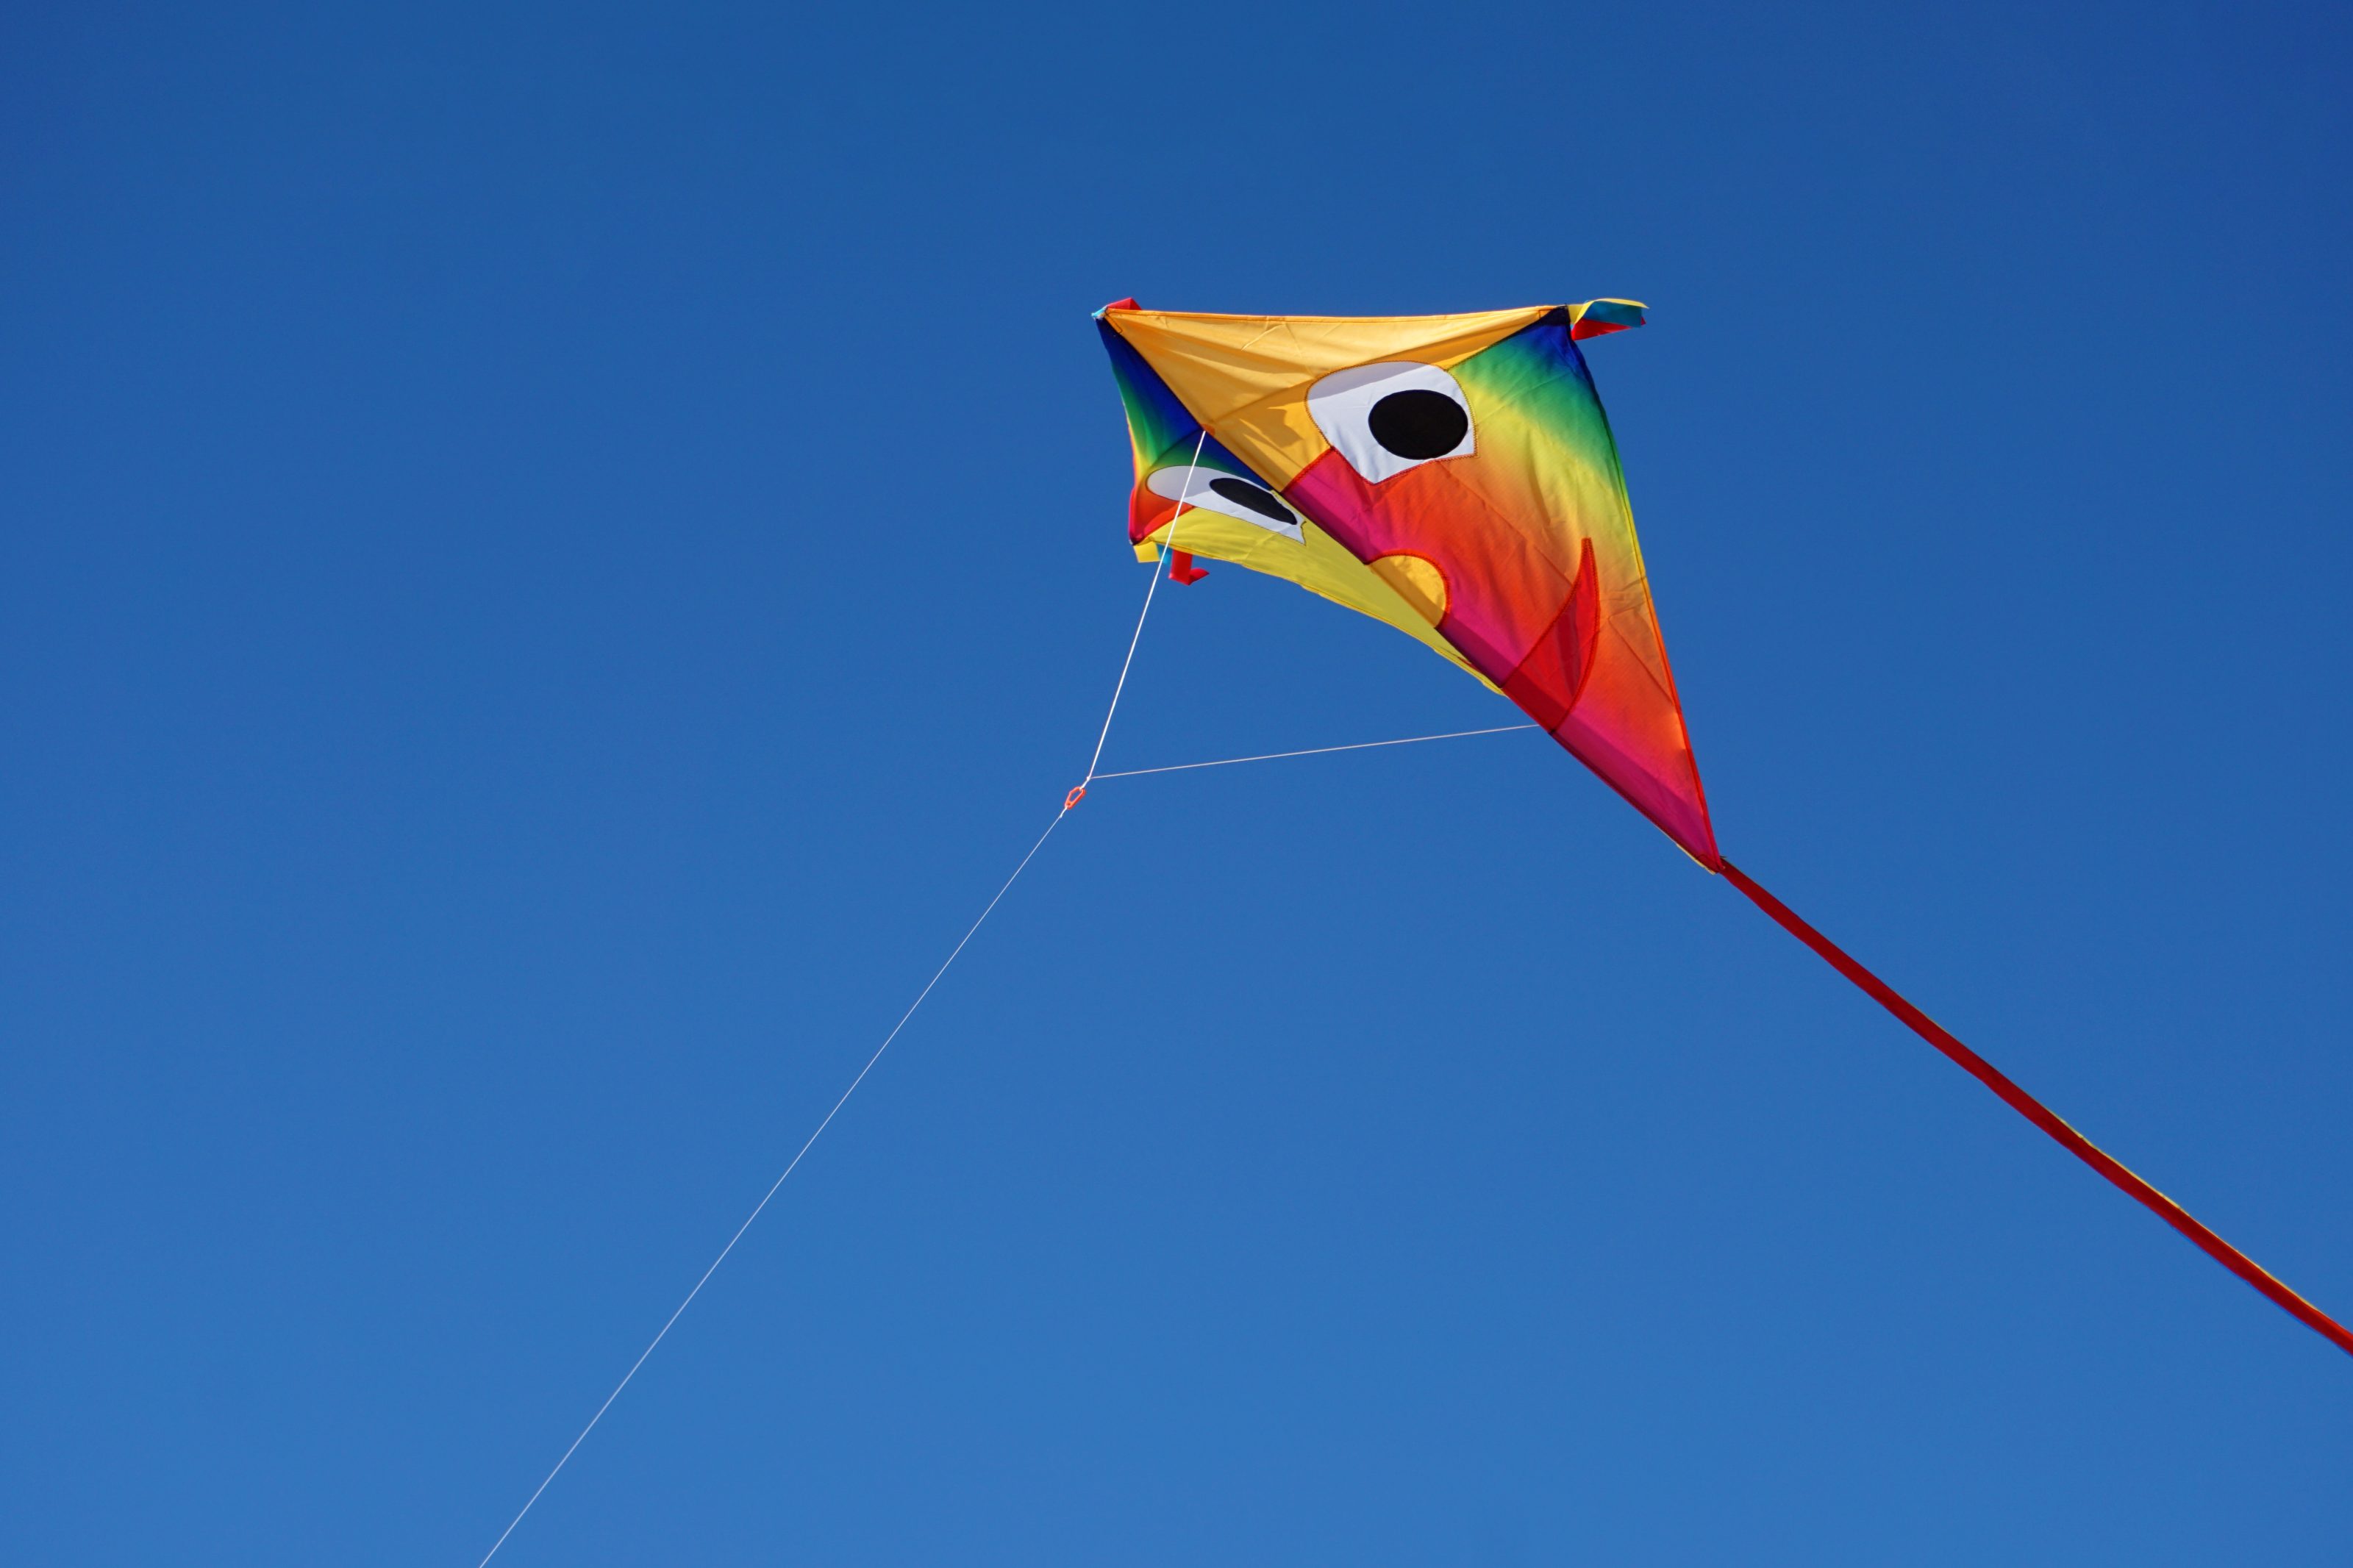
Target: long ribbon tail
(2034, 1110)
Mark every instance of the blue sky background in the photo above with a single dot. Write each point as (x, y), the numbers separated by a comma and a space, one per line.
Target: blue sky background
(553, 557)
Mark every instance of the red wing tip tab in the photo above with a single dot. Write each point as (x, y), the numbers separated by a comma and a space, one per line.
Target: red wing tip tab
(1182, 570)
(1601, 316)
(1127, 304)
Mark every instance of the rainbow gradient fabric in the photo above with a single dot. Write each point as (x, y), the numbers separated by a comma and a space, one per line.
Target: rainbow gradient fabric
(1453, 476)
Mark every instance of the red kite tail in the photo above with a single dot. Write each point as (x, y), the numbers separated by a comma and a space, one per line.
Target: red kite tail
(2034, 1110)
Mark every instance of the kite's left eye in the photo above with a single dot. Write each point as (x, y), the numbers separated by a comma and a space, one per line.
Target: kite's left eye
(1386, 418)
(1213, 490)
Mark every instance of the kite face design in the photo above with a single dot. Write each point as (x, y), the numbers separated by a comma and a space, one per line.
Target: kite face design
(1453, 476)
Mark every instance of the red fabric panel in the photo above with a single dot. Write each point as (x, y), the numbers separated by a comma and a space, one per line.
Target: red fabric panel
(1546, 683)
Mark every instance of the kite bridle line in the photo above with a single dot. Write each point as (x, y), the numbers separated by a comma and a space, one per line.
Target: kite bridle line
(1312, 751)
(1184, 493)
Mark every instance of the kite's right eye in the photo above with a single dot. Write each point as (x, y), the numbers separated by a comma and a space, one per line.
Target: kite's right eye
(1212, 490)
(1386, 418)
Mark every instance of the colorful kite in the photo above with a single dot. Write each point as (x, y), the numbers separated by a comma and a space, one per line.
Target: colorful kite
(1455, 477)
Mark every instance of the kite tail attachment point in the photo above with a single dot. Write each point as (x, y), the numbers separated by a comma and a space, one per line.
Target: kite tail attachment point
(2034, 1110)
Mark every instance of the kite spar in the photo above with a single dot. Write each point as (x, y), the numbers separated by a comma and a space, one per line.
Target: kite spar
(1455, 477)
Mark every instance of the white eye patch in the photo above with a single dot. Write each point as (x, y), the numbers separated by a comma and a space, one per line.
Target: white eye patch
(1213, 490)
(1388, 417)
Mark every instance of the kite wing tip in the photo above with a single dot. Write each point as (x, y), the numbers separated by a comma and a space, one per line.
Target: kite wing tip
(1127, 304)
(1596, 317)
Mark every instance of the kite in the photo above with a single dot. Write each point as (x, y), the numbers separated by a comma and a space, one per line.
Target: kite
(1455, 476)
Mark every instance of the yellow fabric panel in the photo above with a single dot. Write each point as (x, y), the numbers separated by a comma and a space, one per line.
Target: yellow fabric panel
(1315, 561)
(1246, 377)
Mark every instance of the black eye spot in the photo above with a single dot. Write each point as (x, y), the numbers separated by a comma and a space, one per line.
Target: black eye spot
(1242, 493)
(1419, 423)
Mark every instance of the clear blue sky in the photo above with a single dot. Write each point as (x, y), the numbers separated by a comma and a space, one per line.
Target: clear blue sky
(553, 557)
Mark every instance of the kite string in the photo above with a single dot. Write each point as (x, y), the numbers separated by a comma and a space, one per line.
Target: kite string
(970, 932)
(1183, 494)
(1312, 751)
(669, 1322)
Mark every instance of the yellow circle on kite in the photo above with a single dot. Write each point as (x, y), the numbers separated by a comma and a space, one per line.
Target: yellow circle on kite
(1417, 581)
